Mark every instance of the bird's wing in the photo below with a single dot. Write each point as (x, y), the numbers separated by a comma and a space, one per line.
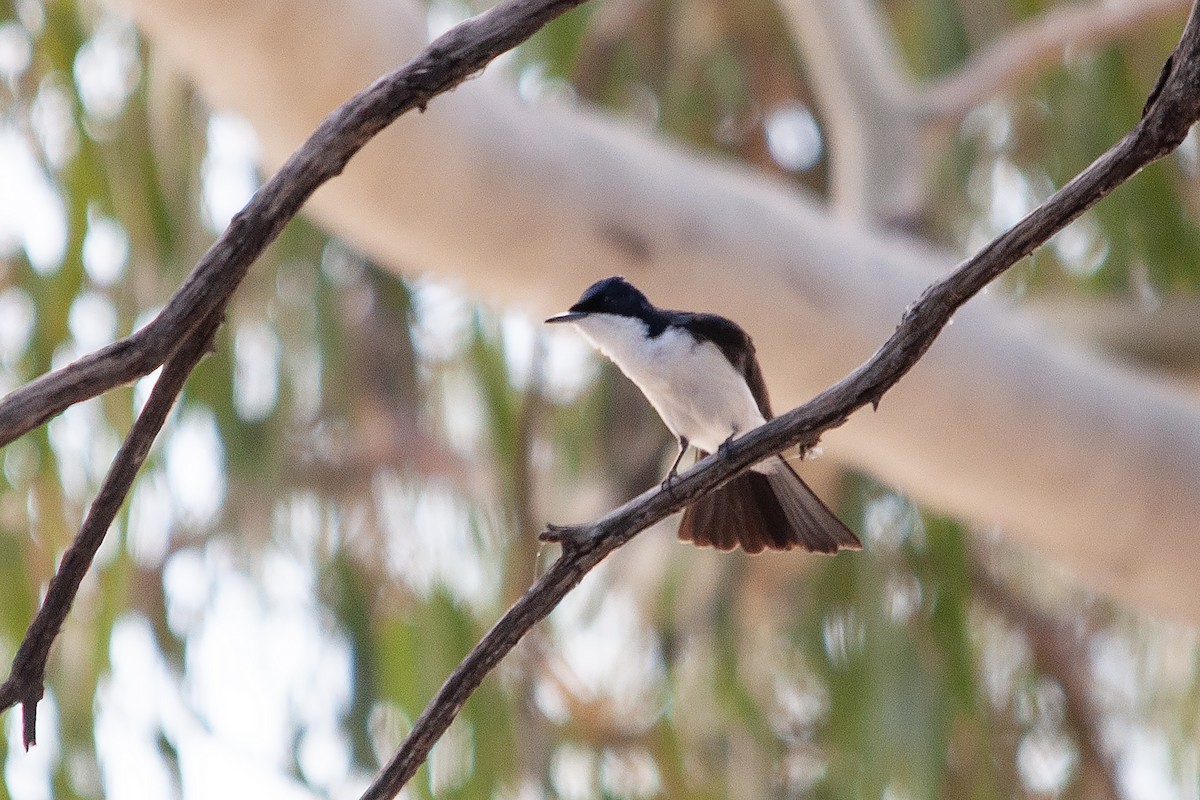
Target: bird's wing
(738, 349)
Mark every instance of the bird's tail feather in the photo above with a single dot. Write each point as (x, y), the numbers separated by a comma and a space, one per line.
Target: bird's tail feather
(772, 509)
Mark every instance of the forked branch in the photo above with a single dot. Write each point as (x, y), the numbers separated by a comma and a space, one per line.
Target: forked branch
(180, 335)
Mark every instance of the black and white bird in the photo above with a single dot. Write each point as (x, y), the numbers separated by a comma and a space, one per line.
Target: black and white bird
(700, 373)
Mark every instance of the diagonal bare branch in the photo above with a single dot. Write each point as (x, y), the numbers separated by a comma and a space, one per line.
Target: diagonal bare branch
(1172, 109)
(451, 59)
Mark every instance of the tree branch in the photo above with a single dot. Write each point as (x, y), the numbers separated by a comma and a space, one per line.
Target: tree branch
(1030, 48)
(878, 120)
(1168, 118)
(866, 99)
(451, 59)
(184, 330)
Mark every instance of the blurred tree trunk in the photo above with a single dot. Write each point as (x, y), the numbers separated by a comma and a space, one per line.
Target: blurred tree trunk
(1002, 423)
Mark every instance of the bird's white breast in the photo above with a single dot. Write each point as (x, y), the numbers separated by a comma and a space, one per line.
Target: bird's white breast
(692, 386)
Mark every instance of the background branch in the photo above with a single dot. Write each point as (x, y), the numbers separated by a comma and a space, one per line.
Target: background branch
(1030, 48)
(865, 96)
(877, 117)
(1169, 116)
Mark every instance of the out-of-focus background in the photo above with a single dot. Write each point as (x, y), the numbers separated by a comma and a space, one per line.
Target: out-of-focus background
(350, 490)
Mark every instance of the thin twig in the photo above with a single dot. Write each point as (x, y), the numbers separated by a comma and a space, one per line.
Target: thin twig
(448, 61)
(25, 682)
(1169, 115)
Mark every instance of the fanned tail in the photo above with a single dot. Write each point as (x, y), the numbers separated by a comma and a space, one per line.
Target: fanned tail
(769, 510)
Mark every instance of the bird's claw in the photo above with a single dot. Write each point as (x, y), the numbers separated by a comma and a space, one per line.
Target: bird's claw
(668, 484)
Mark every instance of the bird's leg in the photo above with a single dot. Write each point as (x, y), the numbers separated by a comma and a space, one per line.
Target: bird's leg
(674, 471)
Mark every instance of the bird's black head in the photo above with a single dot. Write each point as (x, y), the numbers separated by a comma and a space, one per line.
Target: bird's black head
(613, 295)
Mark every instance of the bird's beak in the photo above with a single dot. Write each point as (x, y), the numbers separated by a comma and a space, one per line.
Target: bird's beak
(567, 316)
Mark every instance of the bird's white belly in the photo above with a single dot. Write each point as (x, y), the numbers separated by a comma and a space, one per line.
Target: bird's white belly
(692, 386)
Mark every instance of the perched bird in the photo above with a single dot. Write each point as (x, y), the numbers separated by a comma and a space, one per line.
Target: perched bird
(700, 373)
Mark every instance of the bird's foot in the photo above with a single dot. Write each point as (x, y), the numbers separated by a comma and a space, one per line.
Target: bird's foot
(723, 447)
(668, 484)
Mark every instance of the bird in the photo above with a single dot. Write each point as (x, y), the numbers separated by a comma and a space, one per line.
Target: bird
(700, 373)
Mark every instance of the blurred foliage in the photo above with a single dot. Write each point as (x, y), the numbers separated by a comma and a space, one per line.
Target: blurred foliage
(350, 492)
